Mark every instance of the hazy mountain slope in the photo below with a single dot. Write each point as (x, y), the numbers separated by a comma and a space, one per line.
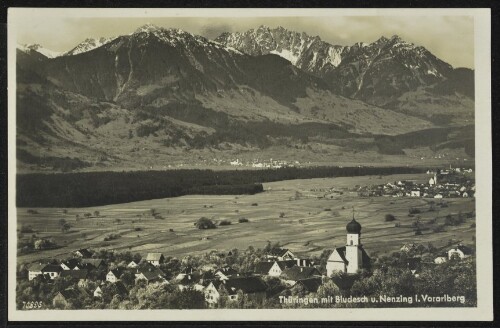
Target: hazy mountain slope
(160, 96)
(380, 73)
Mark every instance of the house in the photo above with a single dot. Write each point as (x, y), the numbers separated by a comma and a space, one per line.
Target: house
(155, 258)
(63, 299)
(294, 274)
(92, 264)
(52, 270)
(225, 273)
(253, 287)
(35, 270)
(98, 292)
(117, 288)
(310, 285)
(352, 257)
(77, 275)
(186, 271)
(83, 253)
(186, 281)
(114, 275)
(150, 274)
(71, 264)
(415, 193)
(133, 264)
(274, 268)
(280, 254)
(211, 292)
(461, 251)
(438, 196)
(207, 277)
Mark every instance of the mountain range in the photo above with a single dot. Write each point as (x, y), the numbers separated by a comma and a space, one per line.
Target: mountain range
(160, 96)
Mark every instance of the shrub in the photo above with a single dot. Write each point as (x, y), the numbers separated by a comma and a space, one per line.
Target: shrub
(414, 210)
(282, 214)
(418, 232)
(242, 220)
(205, 223)
(112, 236)
(224, 223)
(389, 218)
(255, 204)
(138, 229)
(328, 209)
(473, 225)
(32, 212)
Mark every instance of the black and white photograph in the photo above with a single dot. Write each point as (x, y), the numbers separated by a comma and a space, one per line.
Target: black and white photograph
(217, 161)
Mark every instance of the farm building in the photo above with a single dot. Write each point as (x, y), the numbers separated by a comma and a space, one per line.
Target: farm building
(253, 287)
(461, 251)
(294, 274)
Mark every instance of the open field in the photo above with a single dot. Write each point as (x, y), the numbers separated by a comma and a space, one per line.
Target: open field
(311, 222)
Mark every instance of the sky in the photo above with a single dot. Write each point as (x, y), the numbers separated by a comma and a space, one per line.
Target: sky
(450, 38)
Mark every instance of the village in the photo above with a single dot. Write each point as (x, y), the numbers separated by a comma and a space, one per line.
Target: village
(445, 183)
(270, 274)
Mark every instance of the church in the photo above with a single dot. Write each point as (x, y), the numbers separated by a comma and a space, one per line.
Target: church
(352, 256)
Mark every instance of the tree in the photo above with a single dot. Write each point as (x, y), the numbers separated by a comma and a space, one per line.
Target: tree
(96, 213)
(65, 227)
(389, 218)
(205, 223)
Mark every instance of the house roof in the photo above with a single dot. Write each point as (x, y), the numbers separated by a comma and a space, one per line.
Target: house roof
(37, 267)
(154, 256)
(263, 267)
(52, 268)
(71, 263)
(117, 272)
(297, 273)
(286, 264)
(75, 274)
(227, 270)
(70, 293)
(150, 272)
(311, 285)
(94, 262)
(278, 251)
(247, 285)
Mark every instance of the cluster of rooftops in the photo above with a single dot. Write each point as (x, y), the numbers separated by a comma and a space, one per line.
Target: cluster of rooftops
(82, 268)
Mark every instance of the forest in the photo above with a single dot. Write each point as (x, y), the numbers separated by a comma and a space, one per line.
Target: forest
(103, 188)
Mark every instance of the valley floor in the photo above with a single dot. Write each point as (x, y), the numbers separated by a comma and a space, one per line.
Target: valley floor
(295, 213)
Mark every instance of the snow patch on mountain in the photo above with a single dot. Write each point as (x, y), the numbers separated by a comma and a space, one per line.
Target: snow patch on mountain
(88, 45)
(38, 48)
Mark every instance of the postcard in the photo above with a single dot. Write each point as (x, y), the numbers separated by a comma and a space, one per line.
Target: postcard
(249, 164)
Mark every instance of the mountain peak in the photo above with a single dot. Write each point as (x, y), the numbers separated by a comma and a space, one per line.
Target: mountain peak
(40, 49)
(147, 28)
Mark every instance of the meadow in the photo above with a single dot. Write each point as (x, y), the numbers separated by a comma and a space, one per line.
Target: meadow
(301, 215)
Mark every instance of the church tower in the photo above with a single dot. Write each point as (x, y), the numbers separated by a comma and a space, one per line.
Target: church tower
(353, 249)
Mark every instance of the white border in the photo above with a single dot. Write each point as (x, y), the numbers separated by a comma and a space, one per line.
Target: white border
(484, 310)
